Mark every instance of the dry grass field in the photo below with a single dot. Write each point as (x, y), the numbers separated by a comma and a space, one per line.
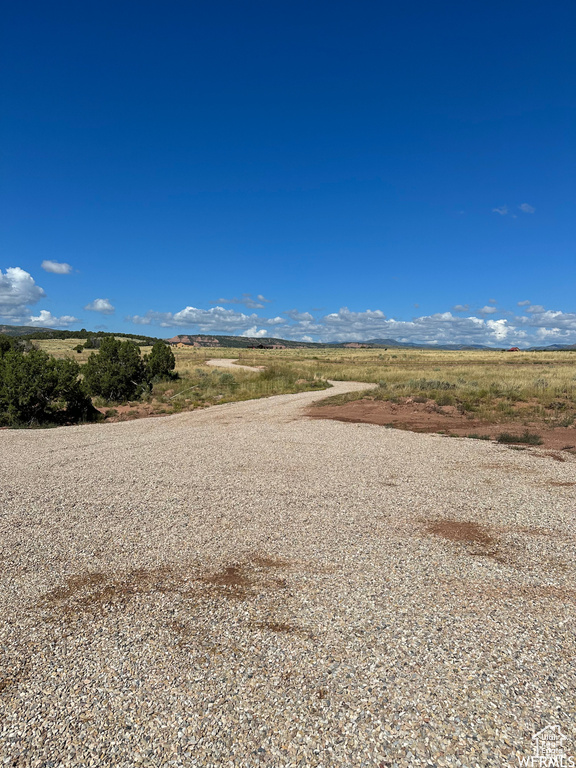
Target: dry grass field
(492, 387)
(62, 348)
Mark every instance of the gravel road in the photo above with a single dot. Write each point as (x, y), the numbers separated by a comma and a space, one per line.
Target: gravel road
(224, 362)
(244, 586)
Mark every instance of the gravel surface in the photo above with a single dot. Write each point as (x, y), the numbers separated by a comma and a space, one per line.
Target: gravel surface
(243, 586)
(224, 362)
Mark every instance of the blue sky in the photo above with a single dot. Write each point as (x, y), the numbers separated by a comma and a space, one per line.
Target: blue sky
(321, 170)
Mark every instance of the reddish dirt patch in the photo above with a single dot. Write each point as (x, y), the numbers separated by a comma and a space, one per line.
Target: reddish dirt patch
(231, 576)
(428, 417)
(238, 581)
(478, 540)
(90, 590)
(136, 411)
(453, 530)
(284, 628)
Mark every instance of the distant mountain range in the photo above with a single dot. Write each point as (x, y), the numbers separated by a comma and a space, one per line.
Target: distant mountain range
(209, 340)
(240, 342)
(415, 345)
(553, 348)
(19, 330)
(243, 342)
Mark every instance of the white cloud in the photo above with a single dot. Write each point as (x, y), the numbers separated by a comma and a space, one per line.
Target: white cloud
(461, 308)
(247, 300)
(535, 308)
(525, 303)
(215, 320)
(254, 332)
(503, 210)
(499, 329)
(487, 310)
(101, 305)
(545, 318)
(17, 291)
(47, 320)
(57, 267)
(492, 301)
(293, 314)
(527, 208)
(346, 325)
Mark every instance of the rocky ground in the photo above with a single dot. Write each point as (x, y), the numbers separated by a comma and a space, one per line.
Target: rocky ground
(246, 586)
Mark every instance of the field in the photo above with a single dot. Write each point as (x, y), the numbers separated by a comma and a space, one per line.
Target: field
(245, 586)
(473, 388)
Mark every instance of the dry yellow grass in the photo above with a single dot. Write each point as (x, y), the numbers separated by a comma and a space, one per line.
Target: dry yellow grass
(62, 348)
(489, 384)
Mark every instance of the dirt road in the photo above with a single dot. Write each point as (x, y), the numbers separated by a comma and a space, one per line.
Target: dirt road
(245, 586)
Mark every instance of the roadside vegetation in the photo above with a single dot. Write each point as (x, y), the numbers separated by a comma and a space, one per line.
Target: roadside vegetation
(37, 389)
(125, 381)
(491, 386)
(108, 377)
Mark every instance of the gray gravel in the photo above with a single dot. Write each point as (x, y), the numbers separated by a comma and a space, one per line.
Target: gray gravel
(225, 362)
(243, 586)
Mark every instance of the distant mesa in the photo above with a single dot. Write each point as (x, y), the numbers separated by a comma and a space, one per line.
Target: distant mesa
(22, 330)
(245, 342)
(193, 341)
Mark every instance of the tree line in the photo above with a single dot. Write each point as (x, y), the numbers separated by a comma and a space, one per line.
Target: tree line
(141, 341)
(36, 388)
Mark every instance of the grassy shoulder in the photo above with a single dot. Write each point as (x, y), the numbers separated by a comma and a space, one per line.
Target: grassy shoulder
(487, 386)
(193, 383)
(490, 386)
(203, 386)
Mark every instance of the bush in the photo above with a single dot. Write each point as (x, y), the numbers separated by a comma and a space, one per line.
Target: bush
(227, 381)
(116, 372)
(35, 388)
(529, 438)
(5, 344)
(160, 362)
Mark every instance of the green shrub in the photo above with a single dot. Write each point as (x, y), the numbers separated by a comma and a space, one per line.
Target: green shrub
(160, 362)
(5, 344)
(37, 389)
(116, 372)
(529, 438)
(228, 381)
(423, 384)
